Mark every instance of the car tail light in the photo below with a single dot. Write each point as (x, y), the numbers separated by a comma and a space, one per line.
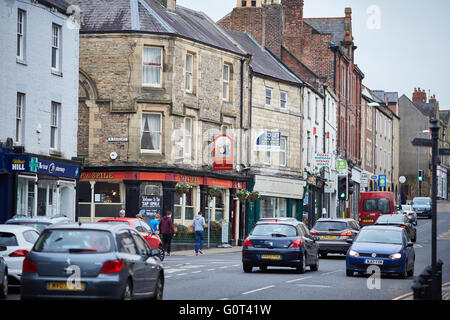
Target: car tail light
(296, 244)
(28, 266)
(314, 233)
(112, 266)
(248, 243)
(346, 233)
(404, 227)
(19, 253)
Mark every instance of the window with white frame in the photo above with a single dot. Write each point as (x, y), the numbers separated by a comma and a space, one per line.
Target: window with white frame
(283, 99)
(267, 157)
(54, 124)
(283, 151)
(268, 96)
(20, 34)
(151, 132)
(19, 116)
(316, 111)
(56, 45)
(308, 148)
(152, 59)
(187, 137)
(189, 73)
(309, 105)
(226, 82)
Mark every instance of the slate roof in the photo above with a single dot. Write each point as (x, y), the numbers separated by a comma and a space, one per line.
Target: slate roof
(150, 16)
(61, 5)
(333, 26)
(444, 115)
(428, 109)
(263, 62)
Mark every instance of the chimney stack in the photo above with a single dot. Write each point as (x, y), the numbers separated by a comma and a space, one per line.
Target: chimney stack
(169, 4)
(419, 96)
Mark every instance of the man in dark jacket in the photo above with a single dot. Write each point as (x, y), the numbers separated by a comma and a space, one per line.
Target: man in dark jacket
(167, 229)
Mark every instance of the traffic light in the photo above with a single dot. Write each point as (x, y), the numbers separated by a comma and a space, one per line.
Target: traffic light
(351, 185)
(343, 187)
(420, 175)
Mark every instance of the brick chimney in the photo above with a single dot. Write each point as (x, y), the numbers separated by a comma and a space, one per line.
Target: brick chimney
(433, 99)
(169, 4)
(419, 96)
(293, 26)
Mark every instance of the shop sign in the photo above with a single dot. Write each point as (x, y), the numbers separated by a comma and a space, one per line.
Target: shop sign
(26, 163)
(312, 180)
(223, 153)
(187, 179)
(268, 141)
(97, 176)
(19, 165)
(151, 205)
(322, 160)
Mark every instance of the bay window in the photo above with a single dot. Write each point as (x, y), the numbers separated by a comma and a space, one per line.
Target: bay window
(152, 66)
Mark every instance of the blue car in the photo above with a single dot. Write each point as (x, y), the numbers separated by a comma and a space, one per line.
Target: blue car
(422, 206)
(387, 247)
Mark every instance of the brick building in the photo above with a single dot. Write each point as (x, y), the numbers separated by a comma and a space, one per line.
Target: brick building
(320, 51)
(154, 99)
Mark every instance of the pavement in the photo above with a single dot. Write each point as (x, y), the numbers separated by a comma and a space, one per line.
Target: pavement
(445, 293)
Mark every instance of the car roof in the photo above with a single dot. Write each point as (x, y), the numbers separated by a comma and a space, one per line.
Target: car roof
(336, 219)
(90, 226)
(125, 219)
(48, 219)
(381, 227)
(292, 221)
(422, 198)
(15, 228)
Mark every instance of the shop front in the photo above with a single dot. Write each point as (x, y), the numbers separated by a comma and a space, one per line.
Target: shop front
(279, 198)
(41, 186)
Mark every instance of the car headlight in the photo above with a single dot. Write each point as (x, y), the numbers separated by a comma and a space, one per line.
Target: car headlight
(395, 256)
(353, 254)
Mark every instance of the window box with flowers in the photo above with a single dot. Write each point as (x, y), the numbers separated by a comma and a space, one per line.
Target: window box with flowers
(182, 188)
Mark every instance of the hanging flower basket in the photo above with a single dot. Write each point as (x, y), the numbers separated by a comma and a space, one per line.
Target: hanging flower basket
(254, 196)
(182, 187)
(214, 192)
(243, 195)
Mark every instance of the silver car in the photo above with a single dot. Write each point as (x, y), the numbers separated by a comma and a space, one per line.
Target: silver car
(3, 276)
(408, 211)
(38, 222)
(92, 261)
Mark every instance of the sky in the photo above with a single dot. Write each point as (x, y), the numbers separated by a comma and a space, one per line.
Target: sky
(402, 44)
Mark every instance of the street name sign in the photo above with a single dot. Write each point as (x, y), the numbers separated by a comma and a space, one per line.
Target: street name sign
(422, 142)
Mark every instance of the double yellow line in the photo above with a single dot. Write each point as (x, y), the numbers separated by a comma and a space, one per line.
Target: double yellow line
(407, 295)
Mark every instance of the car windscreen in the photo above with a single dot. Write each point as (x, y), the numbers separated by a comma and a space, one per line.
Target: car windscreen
(381, 205)
(74, 241)
(406, 208)
(274, 230)
(330, 226)
(391, 219)
(421, 202)
(40, 226)
(380, 236)
(8, 239)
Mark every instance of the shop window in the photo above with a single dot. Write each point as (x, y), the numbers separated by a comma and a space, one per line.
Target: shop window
(106, 192)
(273, 207)
(184, 205)
(25, 196)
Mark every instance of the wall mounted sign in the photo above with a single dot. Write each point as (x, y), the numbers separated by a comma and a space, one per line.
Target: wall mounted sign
(28, 163)
(268, 141)
(322, 160)
(223, 153)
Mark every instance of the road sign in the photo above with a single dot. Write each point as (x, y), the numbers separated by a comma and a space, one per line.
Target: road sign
(374, 178)
(422, 142)
(402, 179)
(382, 180)
(342, 166)
(444, 152)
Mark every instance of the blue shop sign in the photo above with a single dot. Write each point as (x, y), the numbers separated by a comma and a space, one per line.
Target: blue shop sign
(28, 163)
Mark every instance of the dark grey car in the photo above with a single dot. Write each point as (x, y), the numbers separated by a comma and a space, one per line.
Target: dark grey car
(3, 276)
(92, 261)
(334, 234)
(39, 222)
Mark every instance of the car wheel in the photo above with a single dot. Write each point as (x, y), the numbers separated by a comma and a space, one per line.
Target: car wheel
(349, 273)
(404, 274)
(159, 289)
(302, 267)
(263, 268)
(315, 267)
(247, 268)
(128, 291)
(4, 288)
(411, 272)
(162, 254)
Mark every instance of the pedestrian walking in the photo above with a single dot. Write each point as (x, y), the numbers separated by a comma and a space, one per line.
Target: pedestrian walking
(167, 230)
(139, 216)
(155, 223)
(199, 228)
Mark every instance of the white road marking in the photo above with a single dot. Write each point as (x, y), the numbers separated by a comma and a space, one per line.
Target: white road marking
(290, 281)
(236, 265)
(260, 289)
(181, 274)
(313, 286)
(173, 270)
(336, 271)
(223, 267)
(196, 271)
(210, 269)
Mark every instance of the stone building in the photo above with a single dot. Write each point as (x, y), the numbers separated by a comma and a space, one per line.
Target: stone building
(39, 107)
(162, 96)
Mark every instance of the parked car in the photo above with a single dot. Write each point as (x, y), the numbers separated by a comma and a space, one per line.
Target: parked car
(334, 233)
(113, 261)
(374, 204)
(422, 206)
(144, 229)
(408, 211)
(384, 246)
(18, 241)
(38, 222)
(401, 221)
(3, 276)
(281, 242)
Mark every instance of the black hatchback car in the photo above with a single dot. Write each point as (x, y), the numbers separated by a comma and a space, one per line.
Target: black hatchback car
(280, 242)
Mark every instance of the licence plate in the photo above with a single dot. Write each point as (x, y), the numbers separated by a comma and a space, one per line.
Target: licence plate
(271, 256)
(377, 262)
(328, 237)
(65, 286)
(367, 220)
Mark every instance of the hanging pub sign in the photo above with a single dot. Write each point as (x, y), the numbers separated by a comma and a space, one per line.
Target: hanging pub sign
(223, 153)
(268, 141)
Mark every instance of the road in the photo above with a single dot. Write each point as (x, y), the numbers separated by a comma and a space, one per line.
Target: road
(219, 276)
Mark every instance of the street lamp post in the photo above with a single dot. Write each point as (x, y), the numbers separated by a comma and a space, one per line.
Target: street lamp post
(419, 182)
(434, 158)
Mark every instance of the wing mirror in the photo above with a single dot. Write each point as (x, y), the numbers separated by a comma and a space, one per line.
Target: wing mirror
(3, 248)
(155, 253)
